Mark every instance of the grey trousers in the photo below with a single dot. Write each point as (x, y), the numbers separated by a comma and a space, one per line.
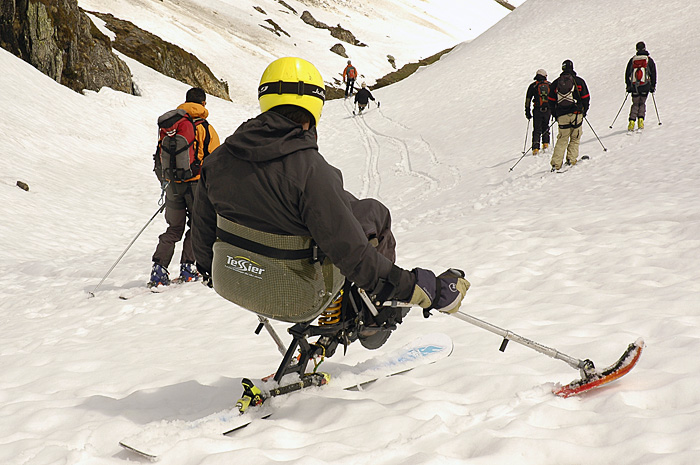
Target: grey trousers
(639, 106)
(179, 199)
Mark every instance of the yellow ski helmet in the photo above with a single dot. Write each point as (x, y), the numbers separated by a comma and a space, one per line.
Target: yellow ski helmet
(292, 81)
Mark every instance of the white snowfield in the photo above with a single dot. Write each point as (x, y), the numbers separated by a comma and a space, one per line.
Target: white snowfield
(586, 262)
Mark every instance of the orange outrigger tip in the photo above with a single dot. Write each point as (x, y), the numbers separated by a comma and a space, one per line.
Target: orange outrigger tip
(590, 377)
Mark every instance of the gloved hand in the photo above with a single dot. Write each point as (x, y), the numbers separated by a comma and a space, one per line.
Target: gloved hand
(629, 89)
(206, 276)
(653, 89)
(528, 115)
(444, 293)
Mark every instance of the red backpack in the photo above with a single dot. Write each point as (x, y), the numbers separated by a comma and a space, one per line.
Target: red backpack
(640, 70)
(178, 146)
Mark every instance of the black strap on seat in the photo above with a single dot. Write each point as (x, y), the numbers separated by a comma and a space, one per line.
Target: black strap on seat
(313, 253)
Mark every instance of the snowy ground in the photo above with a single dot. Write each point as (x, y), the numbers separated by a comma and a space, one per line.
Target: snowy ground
(585, 262)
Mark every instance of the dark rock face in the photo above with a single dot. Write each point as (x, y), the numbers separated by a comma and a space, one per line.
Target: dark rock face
(338, 49)
(336, 31)
(162, 56)
(58, 39)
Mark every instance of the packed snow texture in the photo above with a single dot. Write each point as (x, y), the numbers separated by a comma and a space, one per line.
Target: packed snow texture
(586, 262)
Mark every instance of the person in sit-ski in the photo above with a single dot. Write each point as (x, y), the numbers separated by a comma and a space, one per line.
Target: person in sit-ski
(537, 95)
(640, 79)
(568, 101)
(179, 199)
(362, 98)
(269, 176)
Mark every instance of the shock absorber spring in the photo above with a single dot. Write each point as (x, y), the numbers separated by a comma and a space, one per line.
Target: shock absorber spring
(331, 314)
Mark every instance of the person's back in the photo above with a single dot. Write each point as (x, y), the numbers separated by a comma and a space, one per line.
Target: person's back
(640, 79)
(569, 101)
(179, 194)
(537, 95)
(349, 76)
(363, 97)
(269, 178)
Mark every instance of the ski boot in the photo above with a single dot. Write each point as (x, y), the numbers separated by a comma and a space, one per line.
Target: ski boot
(640, 123)
(630, 126)
(544, 146)
(252, 396)
(159, 276)
(188, 273)
(535, 151)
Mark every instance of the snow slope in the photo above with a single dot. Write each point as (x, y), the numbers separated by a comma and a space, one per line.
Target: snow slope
(585, 262)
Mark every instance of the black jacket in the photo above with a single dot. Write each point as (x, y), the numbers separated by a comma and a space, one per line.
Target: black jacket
(363, 96)
(581, 95)
(650, 86)
(532, 95)
(268, 175)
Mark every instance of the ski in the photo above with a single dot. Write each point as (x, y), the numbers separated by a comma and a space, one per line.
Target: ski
(566, 168)
(157, 438)
(595, 379)
(132, 292)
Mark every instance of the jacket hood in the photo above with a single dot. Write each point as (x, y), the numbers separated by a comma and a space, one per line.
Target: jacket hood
(195, 110)
(269, 136)
(569, 71)
(642, 52)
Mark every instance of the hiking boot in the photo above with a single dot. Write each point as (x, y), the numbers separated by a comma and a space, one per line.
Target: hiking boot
(535, 151)
(640, 123)
(571, 163)
(188, 272)
(630, 126)
(159, 276)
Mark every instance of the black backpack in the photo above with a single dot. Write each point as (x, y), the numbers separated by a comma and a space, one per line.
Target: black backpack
(565, 91)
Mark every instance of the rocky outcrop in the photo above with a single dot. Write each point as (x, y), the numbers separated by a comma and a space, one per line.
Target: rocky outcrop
(57, 38)
(162, 56)
(338, 49)
(336, 31)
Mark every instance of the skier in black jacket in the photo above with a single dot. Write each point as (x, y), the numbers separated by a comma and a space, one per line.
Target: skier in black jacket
(362, 98)
(640, 79)
(269, 176)
(538, 95)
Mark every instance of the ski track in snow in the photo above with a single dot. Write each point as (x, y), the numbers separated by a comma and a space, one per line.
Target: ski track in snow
(382, 148)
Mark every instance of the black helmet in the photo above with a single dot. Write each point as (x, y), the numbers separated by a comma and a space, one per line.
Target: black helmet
(641, 46)
(567, 65)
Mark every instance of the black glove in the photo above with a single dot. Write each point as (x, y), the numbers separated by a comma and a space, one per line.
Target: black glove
(206, 276)
(527, 113)
(629, 89)
(444, 293)
(653, 89)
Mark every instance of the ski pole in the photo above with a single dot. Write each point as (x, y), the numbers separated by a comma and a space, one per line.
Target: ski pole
(524, 153)
(527, 131)
(618, 111)
(510, 336)
(160, 209)
(596, 135)
(655, 108)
